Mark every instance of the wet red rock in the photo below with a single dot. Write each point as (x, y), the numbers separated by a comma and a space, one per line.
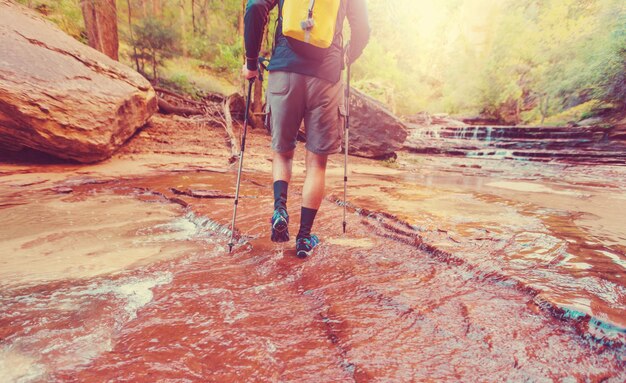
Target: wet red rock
(449, 273)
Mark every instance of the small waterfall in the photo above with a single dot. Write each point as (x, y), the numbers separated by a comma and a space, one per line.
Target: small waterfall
(489, 132)
(577, 144)
(460, 133)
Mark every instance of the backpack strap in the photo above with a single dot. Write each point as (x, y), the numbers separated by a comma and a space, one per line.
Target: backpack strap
(309, 23)
(278, 19)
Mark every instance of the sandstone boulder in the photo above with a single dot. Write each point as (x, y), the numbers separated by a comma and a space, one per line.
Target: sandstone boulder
(61, 97)
(374, 131)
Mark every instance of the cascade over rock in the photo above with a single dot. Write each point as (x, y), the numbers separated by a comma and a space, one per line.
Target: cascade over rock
(62, 97)
(577, 144)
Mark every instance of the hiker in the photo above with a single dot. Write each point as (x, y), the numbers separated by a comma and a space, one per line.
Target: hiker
(304, 84)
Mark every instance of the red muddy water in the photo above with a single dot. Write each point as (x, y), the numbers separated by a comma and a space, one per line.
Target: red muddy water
(445, 275)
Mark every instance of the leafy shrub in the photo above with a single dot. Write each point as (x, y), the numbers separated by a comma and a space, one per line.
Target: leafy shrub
(229, 58)
(201, 48)
(181, 82)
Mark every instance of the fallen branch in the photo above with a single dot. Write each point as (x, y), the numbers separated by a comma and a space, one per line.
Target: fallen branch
(210, 97)
(167, 108)
(179, 96)
(214, 97)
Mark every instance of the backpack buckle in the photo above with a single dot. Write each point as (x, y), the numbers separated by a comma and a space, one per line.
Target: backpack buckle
(307, 24)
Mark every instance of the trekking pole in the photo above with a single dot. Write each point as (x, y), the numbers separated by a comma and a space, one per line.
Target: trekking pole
(241, 152)
(346, 143)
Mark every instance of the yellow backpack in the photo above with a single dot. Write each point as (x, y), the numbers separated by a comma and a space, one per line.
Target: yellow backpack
(310, 21)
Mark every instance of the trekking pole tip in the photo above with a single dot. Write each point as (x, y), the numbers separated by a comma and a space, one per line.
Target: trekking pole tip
(344, 227)
(230, 248)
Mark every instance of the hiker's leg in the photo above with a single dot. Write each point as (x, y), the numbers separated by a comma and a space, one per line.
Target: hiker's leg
(323, 123)
(314, 183)
(286, 111)
(285, 105)
(281, 170)
(312, 191)
(281, 166)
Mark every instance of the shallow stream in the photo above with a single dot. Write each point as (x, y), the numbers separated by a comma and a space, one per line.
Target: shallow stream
(452, 270)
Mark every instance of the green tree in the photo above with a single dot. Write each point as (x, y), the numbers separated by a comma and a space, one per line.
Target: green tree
(154, 42)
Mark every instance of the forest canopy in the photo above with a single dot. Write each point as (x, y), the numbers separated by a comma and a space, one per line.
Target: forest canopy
(517, 61)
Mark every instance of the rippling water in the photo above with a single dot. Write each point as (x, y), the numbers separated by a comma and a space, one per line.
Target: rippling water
(446, 275)
(555, 232)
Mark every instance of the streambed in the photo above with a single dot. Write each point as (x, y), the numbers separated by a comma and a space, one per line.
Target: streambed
(452, 270)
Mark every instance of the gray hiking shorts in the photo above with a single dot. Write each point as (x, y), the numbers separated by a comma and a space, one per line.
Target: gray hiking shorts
(294, 97)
